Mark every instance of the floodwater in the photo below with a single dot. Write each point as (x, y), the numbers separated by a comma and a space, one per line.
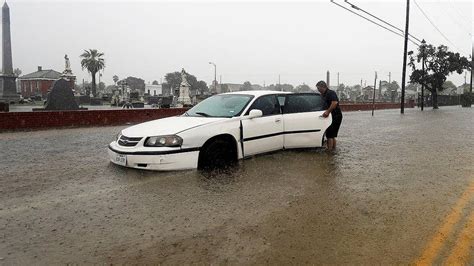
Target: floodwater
(399, 189)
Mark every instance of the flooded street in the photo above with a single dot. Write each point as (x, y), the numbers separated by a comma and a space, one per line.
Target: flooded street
(398, 189)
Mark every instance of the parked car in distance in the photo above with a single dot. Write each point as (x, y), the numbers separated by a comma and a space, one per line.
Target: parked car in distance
(223, 129)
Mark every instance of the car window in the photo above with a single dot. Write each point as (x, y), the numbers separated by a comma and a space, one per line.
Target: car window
(222, 105)
(299, 103)
(281, 101)
(268, 104)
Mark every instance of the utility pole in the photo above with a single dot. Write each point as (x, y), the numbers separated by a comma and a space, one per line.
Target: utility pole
(215, 76)
(470, 87)
(472, 66)
(402, 100)
(373, 97)
(328, 78)
(380, 90)
(220, 79)
(423, 71)
(279, 84)
(389, 77)
(338, 79)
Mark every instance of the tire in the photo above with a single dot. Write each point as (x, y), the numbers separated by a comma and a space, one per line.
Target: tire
(218, 153)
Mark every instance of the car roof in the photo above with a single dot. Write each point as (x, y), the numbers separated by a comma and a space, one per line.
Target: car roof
(258, 93)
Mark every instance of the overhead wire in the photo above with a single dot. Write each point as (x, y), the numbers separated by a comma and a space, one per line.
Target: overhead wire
(332, 1)
(459, 13)
(432, 23)
(454, 19)
(358, 8)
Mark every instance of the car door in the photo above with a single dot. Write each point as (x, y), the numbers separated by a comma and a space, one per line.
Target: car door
(304, 125)
(263, 134)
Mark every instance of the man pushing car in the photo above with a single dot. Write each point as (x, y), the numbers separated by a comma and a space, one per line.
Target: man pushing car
(332, 107)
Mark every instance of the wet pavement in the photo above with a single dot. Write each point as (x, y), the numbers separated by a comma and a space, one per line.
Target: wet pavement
(399, 190)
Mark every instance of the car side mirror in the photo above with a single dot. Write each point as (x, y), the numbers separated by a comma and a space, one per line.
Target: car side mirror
(254, 113)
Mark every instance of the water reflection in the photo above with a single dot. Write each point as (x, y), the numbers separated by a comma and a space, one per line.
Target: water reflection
(289, 167)
(219, 178)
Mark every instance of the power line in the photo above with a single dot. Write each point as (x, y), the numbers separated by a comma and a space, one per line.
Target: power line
(426, 16)
(332, 1)
(459, 13)
(461, 25)
(358, 8)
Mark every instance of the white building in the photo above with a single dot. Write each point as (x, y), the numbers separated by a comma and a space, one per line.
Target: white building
(154, 90)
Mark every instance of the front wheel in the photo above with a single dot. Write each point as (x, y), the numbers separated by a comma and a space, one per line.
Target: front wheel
(218, 153)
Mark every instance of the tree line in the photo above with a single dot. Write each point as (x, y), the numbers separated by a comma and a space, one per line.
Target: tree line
(439, 63)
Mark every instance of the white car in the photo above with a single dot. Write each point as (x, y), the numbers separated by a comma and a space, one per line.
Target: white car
(223, 129)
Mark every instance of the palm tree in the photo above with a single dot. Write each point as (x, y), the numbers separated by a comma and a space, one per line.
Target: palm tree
(93, 61)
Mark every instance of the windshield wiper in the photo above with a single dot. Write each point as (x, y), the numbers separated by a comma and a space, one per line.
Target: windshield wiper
(203, 114)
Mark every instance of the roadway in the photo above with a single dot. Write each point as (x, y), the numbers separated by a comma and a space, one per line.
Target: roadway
(399, 190)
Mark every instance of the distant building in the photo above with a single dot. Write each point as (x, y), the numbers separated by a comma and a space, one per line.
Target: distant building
(236, 87)
(410, 95)
(367, 93)
(38, 83)
(230, 86)
(256, 87)
(451, 91)
(154, 90)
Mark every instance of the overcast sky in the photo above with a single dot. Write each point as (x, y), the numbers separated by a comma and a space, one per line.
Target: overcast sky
(253, 41)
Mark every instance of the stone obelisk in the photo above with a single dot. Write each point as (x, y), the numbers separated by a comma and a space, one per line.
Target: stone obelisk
(7, 78)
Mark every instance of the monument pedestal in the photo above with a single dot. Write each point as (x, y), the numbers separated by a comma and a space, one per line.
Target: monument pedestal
(184, 98)
(8, 89)
(61, 97)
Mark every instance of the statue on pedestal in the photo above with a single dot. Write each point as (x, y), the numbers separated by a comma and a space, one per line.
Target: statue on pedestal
(68, 64)
(184, 98)
(184, 81)
(67, 73)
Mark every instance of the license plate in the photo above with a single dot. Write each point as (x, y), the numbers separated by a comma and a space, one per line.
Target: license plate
(120, 159)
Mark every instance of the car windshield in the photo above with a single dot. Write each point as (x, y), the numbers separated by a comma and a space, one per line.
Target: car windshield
(224, 105)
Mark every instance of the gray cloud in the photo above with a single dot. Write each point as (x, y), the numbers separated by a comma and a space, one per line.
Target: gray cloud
(247, 40)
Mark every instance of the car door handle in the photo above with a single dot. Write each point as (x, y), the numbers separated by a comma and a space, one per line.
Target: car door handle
(277, 120)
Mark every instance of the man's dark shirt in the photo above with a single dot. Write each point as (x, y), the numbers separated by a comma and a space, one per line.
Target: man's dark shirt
(329, 97)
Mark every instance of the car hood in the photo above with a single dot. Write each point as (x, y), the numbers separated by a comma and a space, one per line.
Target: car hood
(168, 126)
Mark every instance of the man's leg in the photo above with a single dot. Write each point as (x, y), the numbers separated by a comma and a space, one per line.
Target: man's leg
(330, 144)
(334, 143)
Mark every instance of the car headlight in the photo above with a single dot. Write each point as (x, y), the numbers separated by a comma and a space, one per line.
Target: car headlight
(164, 141)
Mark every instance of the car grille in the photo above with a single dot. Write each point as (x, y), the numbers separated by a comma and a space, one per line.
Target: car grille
(128, 142)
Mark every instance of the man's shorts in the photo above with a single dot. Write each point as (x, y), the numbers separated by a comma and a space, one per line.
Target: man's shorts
(333, 129)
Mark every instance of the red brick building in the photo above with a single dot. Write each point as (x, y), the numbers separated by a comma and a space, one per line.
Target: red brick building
(38, 83)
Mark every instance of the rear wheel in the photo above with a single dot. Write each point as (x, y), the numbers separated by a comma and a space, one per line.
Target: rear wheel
(218, 153)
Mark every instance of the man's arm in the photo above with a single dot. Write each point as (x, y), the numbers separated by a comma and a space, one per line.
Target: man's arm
(332, 107)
